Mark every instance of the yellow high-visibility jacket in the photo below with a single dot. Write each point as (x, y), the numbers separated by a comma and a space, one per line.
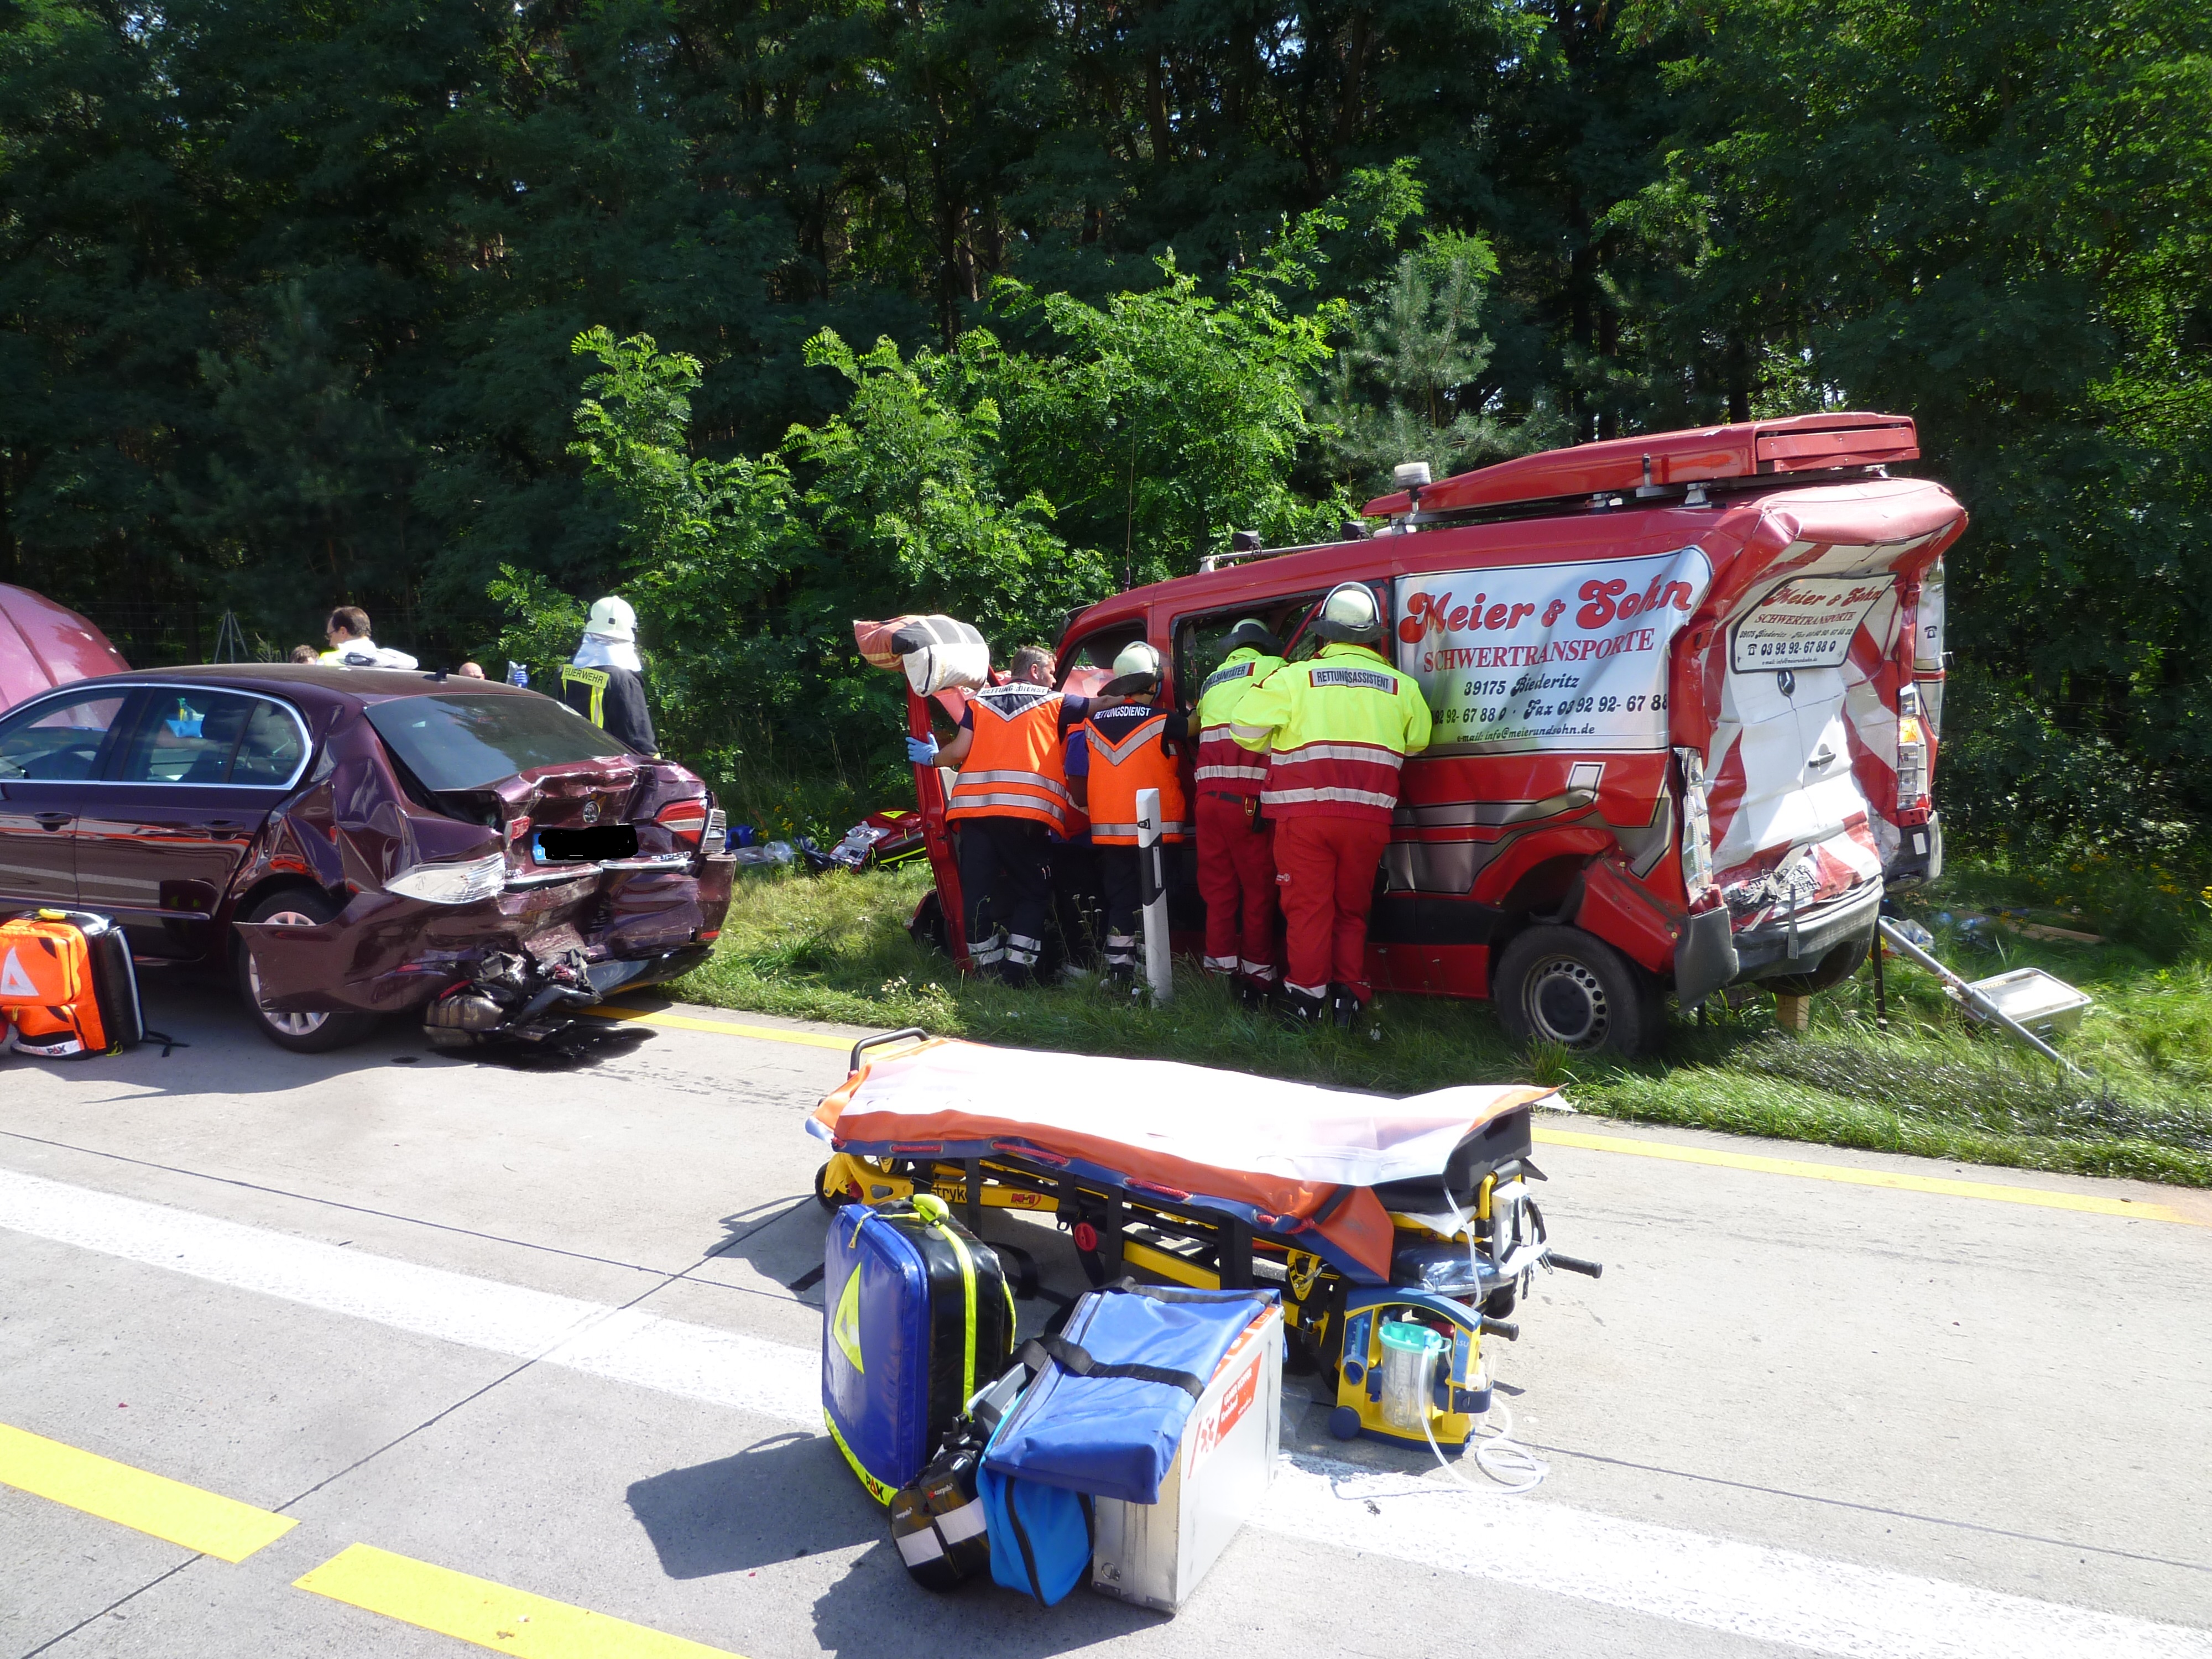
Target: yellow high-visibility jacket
(1224, 768)
(1335, 730)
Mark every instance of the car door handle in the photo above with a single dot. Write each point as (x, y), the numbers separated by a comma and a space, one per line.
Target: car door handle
(53, 820)
(1823, 756)
(225, 823)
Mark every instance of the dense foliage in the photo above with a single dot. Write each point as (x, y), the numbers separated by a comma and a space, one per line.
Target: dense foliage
(1000, 304)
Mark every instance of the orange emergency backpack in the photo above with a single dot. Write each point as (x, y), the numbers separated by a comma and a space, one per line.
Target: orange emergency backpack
(67, 986)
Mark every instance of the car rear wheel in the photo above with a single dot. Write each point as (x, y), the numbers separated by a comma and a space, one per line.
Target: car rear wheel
(302, 1033)
(1562, 985)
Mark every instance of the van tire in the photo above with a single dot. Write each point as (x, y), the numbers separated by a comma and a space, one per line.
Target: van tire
(1832, 970)
(308, 1034)
(1562, 985)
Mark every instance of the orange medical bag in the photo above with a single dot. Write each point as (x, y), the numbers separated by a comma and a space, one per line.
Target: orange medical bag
(67, 986)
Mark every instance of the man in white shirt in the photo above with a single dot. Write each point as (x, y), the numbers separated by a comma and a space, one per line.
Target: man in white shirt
(351, 647)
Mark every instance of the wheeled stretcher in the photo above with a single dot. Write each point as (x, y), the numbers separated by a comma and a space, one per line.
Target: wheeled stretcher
(1367, 1211)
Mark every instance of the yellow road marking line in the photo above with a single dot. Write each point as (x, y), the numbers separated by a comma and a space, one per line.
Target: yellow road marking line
(2086, 1202)
(685, 1022)
(201, 1520)
(491, 1615)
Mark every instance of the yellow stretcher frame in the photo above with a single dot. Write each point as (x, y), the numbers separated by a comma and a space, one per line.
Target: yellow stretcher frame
(1313, 1291)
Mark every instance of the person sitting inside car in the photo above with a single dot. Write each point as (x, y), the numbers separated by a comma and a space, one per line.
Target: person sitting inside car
(351, 647)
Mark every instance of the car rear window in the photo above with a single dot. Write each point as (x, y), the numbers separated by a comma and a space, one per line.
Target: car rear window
(461, 741)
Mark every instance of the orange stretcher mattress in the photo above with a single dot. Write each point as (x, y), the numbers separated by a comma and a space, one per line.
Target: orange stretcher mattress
(1277, 1153)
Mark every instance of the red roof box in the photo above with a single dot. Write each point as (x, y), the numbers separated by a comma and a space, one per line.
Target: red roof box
(1803, 443)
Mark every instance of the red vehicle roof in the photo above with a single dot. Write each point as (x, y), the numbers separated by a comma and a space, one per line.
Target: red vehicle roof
(1814, 469)
(1800, 443)
(42, 646)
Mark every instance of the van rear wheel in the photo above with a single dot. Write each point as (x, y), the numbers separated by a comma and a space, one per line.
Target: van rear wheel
(1561, 985)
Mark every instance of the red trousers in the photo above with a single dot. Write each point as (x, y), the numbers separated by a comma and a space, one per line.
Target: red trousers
(1327, 871)
(1237, 879)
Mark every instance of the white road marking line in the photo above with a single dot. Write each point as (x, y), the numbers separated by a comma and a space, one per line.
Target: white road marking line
(723, 1368)
(1713, 1584)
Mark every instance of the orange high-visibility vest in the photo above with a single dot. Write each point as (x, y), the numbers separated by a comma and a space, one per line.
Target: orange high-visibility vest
(1118, 771)
(1016, 765)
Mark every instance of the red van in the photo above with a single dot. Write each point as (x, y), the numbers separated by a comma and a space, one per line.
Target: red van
(1686, 687)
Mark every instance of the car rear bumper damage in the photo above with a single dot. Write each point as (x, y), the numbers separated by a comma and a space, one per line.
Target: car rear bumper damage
(612, 928)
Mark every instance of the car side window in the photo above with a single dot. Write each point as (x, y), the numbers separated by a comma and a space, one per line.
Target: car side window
(1098, 650)
(58, 741)
(272, 747)
(1201, 642)
(186, 737)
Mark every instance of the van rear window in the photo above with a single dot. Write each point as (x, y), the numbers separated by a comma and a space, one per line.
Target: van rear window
(459, 740)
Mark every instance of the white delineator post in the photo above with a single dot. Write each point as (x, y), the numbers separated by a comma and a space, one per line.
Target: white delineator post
(1152, 893)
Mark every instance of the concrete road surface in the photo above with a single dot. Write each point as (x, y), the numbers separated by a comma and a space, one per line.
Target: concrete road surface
(444, 1352)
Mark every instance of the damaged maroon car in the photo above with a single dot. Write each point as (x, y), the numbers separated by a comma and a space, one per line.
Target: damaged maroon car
(355, 843)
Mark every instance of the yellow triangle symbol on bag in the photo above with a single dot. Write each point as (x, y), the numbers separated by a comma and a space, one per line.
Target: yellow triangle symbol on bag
(845, 1326)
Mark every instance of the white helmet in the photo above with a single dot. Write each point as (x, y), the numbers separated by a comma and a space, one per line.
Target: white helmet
(1349, 614)
(612, 619)
(1136, 670)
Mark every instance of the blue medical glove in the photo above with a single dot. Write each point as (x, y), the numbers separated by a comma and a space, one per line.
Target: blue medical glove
(922, 751)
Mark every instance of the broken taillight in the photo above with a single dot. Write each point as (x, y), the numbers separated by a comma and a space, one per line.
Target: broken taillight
(1912, 750)
(686, 819)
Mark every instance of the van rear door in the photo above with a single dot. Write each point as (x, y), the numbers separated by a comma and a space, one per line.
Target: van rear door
(1802, 761)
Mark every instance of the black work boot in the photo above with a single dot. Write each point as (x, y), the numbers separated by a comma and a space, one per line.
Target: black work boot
(1251, 994)
(1299, 1011)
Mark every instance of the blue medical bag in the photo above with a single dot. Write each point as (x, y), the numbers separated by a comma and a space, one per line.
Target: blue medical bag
(1104, 1419)
(916, 1317)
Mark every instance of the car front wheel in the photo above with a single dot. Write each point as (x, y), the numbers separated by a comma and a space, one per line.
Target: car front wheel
(312, 1033)
(1562, 985)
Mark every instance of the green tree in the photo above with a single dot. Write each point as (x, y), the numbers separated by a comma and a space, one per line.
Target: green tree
(1412, 381)
(1999, 219)
(1161, 420)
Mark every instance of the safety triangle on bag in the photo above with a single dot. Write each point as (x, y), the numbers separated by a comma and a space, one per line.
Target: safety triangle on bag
(13, 981)
(845, 1325)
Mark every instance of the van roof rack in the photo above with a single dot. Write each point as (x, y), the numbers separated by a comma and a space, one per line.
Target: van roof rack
(1664, 463)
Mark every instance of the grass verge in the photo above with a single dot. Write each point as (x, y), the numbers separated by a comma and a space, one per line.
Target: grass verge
(835, 948)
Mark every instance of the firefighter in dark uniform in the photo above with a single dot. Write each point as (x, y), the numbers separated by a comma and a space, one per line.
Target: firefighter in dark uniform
(604, 683)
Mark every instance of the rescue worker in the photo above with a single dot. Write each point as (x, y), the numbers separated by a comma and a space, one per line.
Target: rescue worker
(1009, 798)
(603, 682)
(1113, 754)
(1336, 729)
(1235, 844)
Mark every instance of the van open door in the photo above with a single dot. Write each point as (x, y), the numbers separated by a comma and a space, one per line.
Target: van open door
(1819, 763)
